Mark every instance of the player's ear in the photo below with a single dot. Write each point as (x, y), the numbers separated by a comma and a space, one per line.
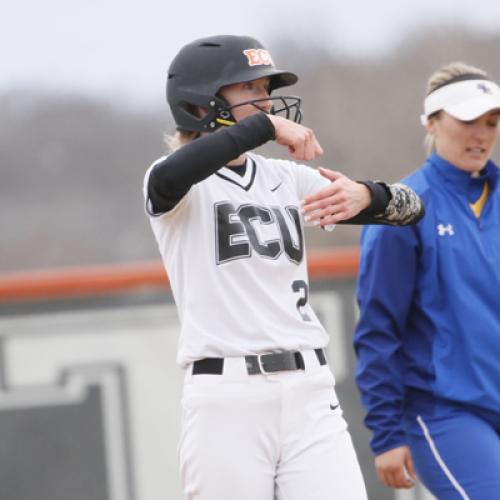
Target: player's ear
(432, 123)
(201, 111)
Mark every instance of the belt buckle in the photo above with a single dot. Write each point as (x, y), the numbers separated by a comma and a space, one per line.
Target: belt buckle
(261, 365)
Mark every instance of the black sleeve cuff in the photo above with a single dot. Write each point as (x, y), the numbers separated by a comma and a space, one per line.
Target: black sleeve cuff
(251, 132)
(381, 196)
(268, 129)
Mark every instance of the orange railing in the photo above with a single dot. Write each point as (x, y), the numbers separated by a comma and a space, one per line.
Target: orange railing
(103, 280)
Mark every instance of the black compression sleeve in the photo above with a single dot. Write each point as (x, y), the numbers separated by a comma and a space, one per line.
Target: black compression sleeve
(171, 178)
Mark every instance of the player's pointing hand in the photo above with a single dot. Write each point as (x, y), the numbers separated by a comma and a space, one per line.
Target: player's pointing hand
(301, 141)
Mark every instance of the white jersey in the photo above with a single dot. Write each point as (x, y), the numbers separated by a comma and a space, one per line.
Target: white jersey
(233, 248)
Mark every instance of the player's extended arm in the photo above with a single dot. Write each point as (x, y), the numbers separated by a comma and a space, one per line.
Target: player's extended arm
(337, 203)
(172, 177)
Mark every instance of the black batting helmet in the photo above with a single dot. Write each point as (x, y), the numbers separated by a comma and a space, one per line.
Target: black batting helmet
(204, 66)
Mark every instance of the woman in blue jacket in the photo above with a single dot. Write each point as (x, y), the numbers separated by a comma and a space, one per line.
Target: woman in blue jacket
(428, 336)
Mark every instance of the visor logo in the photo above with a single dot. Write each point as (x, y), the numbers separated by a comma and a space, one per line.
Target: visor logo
(484, 88)
(257, 57)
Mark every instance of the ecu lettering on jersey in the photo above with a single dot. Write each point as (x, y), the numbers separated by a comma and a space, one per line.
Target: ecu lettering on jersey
(237, 232)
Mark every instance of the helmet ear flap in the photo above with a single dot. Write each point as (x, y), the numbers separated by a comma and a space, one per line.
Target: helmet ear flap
(190, 109)
(215, 111)
(190, 112)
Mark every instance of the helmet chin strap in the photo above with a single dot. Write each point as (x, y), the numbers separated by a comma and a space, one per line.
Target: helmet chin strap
(226, 117)
(226, 123)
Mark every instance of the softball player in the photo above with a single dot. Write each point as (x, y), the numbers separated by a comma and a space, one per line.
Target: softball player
(428, 337)
(260, 413)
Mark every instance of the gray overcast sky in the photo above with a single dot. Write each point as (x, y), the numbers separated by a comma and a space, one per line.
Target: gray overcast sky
(121, 48)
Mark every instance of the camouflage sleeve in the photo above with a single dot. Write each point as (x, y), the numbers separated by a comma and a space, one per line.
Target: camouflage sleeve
(405, 207)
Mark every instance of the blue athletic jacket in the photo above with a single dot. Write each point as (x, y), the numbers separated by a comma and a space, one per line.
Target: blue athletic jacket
(429, 298)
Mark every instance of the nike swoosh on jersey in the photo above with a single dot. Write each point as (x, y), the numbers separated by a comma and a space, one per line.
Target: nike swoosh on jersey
(334, 407)
(276, 187)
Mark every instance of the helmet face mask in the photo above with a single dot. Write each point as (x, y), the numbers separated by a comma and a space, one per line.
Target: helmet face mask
(287, 106)
(203, 67)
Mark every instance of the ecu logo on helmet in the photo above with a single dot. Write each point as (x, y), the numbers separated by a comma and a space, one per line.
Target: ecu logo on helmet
(257, 57)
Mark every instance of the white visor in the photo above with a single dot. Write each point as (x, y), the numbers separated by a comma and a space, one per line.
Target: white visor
(465, 100)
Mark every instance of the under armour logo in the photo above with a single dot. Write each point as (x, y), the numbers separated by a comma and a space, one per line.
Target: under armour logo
(484, 88)
(442, 230)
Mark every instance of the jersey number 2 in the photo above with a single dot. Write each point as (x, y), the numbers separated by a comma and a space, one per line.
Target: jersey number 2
(300, 286)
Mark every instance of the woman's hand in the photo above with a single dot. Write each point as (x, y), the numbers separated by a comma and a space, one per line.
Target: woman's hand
(395, 468)
(301, 141)
(341, 200)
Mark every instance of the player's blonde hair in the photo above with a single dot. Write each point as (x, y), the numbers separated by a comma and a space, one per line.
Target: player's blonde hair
(179, 139)
(440, 77)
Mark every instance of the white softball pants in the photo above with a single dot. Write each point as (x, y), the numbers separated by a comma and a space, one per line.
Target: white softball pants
(261, 437)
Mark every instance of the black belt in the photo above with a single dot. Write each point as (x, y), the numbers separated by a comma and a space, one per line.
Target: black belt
(263, 363)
